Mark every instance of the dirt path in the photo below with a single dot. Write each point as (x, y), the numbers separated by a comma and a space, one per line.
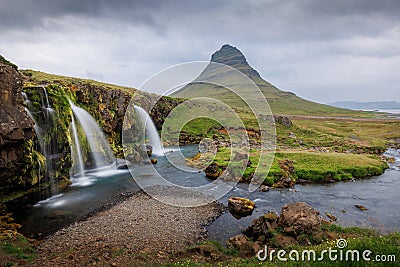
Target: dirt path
(137, 231)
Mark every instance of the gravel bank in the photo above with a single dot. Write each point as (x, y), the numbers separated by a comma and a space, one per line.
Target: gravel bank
(137, 231)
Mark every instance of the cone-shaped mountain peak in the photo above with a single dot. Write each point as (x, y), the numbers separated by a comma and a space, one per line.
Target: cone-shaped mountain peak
(281, 102)
(231, 56)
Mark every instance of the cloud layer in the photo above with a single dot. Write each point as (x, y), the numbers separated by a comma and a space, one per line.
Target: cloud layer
(321, 50)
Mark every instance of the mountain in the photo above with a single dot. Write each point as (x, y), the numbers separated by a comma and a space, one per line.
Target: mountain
(231, 56)
(281, 102)
(367, 105)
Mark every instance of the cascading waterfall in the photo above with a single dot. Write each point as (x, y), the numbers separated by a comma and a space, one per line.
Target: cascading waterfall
(99, 152)
(151, 131)
(76, 151)
(36, 128)
(45, 127)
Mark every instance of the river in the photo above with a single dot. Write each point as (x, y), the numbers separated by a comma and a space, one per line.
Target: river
(379, 194)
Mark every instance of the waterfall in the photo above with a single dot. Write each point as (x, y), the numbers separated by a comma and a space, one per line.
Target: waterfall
(76, 151)
(37, 129)
(151, 131)
(45, 127)
(47, 104)
(28, 103)
(100, 152)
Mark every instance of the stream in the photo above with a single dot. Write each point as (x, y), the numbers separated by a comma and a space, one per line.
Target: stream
(379, 194)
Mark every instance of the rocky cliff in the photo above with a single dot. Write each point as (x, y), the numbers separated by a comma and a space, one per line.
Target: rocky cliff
(22, 160)
(16, 133)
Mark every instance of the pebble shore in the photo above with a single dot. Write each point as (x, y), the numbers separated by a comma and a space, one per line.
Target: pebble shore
(133, 233)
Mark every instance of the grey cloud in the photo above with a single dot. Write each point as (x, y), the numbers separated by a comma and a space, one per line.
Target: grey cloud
(295, 44)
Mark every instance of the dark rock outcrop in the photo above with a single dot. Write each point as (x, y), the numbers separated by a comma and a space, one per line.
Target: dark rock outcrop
(284, 120)
(287, 173)
(299, 218)
(16, 130)
(298, 223)
(245, 247)
(213, 171)
(231, 56)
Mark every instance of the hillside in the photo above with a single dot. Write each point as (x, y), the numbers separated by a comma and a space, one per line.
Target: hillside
(281, 102)
(43, 78)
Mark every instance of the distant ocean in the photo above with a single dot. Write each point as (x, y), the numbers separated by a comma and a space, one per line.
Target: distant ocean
(394, 111)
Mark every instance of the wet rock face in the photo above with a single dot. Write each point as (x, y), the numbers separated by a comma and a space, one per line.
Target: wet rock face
(16, 128)
(109, 105)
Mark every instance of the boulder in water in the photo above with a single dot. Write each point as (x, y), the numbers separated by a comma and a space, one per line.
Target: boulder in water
(146, 149)
(153, 161)
(213, 171)
(263, 188)
(122, 164)
(331, 217)
(240, 206)
(391, 160)
(360, 207)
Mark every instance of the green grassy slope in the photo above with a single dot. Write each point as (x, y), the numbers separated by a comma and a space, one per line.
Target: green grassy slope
(42, 78)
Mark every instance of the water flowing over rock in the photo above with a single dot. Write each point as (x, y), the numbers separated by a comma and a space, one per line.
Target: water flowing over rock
(150, 130)
(45, 126)
(99, 152)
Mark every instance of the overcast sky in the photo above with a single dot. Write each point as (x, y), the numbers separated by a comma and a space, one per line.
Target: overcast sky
(320, 50)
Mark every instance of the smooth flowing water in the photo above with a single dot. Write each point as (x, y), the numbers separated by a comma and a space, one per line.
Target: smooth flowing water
(379, 194)
(151, 131)
(78, 169)
(36, 128)
(100, 152)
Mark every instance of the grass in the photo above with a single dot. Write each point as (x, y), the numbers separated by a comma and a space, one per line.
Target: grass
(387, 245)
(5, 61)
(314, 166)
(42, 78)
(331, 132)
(280, 102)
(16, 251)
